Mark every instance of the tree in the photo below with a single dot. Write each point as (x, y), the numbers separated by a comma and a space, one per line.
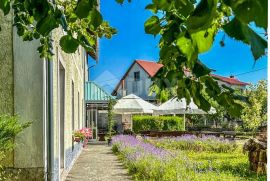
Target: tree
(81, 20)
(254, 113)
(186, 28)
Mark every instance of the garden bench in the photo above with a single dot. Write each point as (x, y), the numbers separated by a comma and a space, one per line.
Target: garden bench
(204, 133)
(229, 134)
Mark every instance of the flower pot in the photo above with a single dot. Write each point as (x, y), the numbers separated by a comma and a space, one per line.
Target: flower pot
(77, 139)
(85, 142)
(109, 141)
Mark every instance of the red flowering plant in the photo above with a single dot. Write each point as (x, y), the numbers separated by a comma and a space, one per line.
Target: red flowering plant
(82, 135)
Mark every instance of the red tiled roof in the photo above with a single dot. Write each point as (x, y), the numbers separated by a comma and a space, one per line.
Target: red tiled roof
(230, 80)
(150, 67)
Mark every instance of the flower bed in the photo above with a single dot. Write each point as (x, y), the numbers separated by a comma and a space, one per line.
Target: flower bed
(191, 142)
(145, 161)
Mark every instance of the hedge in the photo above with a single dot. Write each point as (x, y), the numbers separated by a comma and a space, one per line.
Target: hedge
(157, 123)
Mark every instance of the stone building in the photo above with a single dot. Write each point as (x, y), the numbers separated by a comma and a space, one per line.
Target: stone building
(48, 93)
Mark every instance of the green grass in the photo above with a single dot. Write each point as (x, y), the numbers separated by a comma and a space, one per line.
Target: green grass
(235, 163)
(186, 165)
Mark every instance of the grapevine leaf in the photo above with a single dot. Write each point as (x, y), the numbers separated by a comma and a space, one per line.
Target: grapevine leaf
(5, 6)
(250, 10)
(244, 33)
(69, 44)
(152, 25)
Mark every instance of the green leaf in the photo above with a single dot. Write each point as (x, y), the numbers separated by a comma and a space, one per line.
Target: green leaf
(69, 44)
(152, 25)
(212, 87)
(152, 7)
(203, 15)
(47, 24)
(188, 48)
(95, 18)
(204, 39)
(244, 33)
(122, 1)
(250, 10)
(84, 7)
(200, 69)
(162, 4)
(5, 6)
(184, 6)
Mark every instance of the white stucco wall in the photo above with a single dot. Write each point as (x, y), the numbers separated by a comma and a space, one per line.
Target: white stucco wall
(74, 72)
(28, 102)
(142, 85)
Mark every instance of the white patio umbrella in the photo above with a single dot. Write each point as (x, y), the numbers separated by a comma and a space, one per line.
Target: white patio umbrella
(176, 106)
(172, 106)
(132, 104)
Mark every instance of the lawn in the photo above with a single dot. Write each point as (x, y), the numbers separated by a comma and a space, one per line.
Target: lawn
(183, 158)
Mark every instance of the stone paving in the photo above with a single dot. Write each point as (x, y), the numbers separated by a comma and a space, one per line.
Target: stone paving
(98, 163)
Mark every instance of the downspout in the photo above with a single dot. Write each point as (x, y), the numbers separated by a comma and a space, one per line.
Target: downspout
(50, 121)
(84, 105)
(45, 141)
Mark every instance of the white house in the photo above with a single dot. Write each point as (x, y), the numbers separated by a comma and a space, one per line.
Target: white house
(137, 80)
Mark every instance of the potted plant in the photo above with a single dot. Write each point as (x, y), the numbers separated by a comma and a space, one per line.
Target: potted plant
(78, 136)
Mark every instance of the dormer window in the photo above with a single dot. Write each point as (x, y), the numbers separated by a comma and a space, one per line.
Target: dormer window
(136, 76)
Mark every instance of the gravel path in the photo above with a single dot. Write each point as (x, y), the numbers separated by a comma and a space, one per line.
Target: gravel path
(98, 163)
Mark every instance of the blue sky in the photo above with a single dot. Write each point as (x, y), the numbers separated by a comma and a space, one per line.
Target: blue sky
(131, 43)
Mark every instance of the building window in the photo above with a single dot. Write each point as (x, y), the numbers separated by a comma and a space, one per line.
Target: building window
(136, 76)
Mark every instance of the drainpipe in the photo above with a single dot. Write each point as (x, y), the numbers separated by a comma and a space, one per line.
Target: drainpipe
(48, 120)
(84, 105)
(45, 141)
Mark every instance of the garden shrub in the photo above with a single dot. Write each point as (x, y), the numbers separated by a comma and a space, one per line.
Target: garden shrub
(9, 128)
(157, 123)
(191, 142)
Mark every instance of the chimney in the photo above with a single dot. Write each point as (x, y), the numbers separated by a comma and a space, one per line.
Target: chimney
(232, 76)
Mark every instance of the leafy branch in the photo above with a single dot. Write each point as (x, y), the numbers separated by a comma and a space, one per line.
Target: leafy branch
(188, 28)
(80, 19)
